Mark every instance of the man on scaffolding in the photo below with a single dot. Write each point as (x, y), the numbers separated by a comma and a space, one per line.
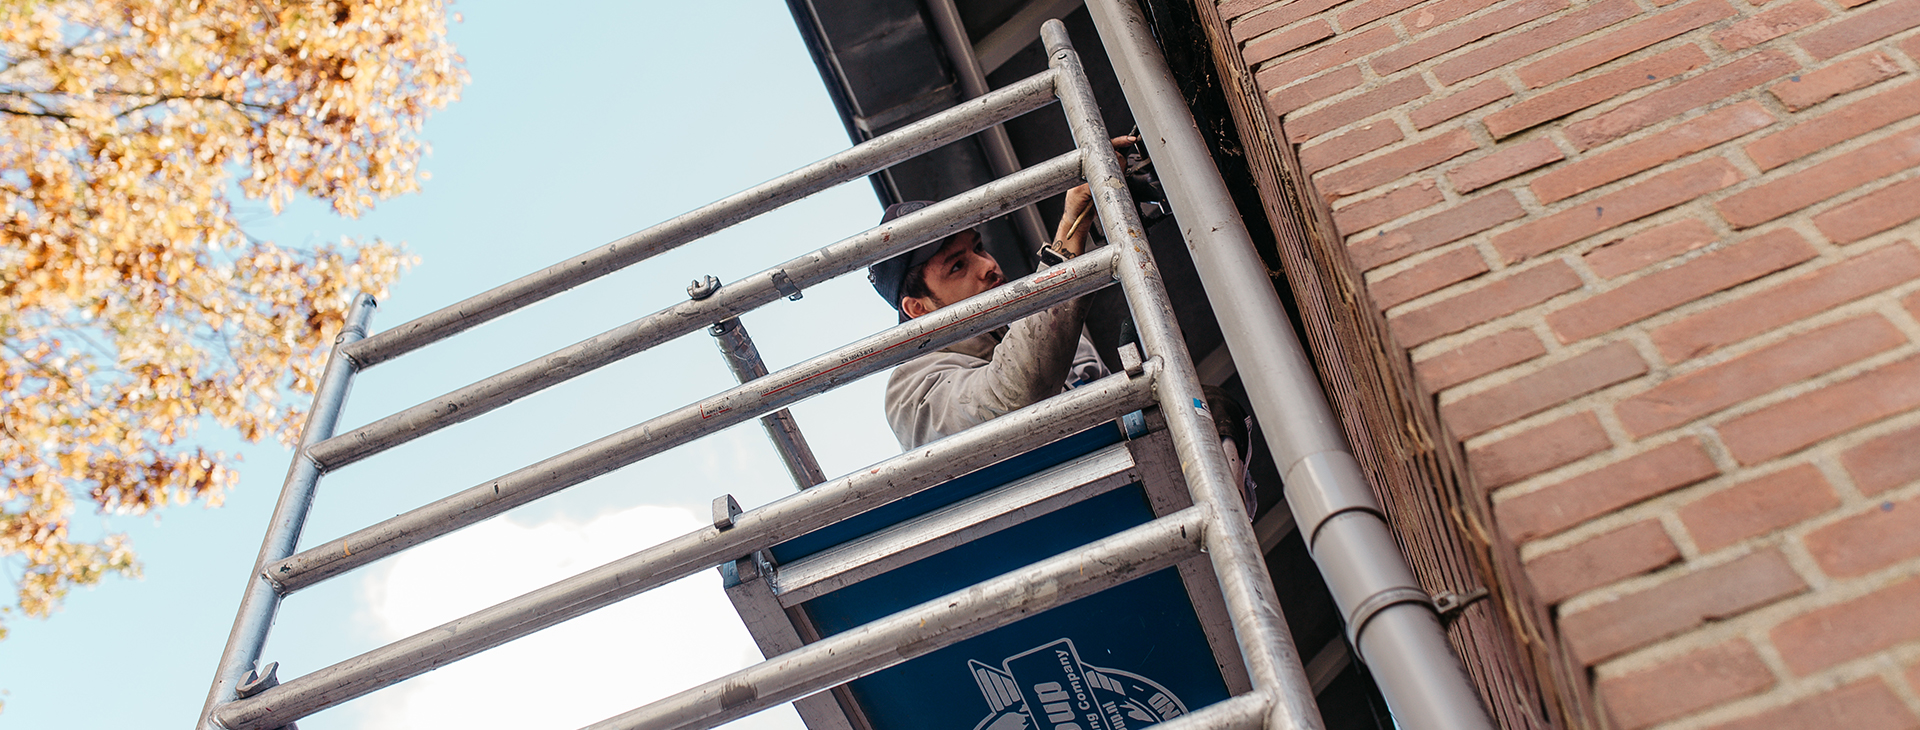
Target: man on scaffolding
(1000, 371)
(997, 372)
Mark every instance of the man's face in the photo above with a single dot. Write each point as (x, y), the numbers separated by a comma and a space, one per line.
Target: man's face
(961, 269)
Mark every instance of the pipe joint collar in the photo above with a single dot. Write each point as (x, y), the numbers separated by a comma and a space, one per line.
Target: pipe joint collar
(1324, 484)
(1374, 604)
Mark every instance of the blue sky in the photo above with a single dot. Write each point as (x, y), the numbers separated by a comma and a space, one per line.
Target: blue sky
(581, 124)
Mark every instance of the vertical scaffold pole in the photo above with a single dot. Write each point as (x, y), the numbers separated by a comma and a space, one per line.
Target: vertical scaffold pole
(261, 602)
(1272, 660)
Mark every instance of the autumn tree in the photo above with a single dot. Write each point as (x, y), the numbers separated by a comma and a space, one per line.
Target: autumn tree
(134, 307)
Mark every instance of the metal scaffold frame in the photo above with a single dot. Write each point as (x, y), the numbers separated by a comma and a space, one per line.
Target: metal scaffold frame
(1216, 526)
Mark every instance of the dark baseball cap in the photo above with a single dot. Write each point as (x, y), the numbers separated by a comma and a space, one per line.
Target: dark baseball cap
(890, 276)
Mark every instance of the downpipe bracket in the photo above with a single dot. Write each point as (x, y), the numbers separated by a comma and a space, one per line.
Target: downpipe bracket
(1450, 603)
(1374, 604)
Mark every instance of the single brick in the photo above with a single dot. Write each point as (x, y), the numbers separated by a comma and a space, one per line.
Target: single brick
(1489, 302)
(1368, 12)
(1648, 247)
(1503, 163)
(1479, 95)
(1863, 705)
(1325, 86)
(1770, 25)
(1349, 145)
(1843, 632)
(1370, 212)
(1784, 195)
(1281, 15)
(1702, 90)
(1604, 490)
(1795, 424)
(1837, 126)
(1444, 270)
(1757, 506)
(1887, 533)
(1599, 88)
(1634, 202)
(1240, 29)
(1548, 387)
(1796, 299)
(1872, 213)
(1859, 72)
(1663, 290)
(1292, 39)
(1685, 685)
(1553, 445)
(1511, 47)
(1341, 113)
(1234, 9)
(1687, 397)
(1679, 605)
(1395, 164)
(1343, 50)
(1715, 127)
(1439, 229)
(1440, 12)
(1885, 462)
(1501, 18)
(1629, 551)
(1858, 29)
(1667, 24)
(1477, 358)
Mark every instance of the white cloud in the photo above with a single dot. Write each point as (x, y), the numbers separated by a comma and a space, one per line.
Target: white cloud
(573, 674)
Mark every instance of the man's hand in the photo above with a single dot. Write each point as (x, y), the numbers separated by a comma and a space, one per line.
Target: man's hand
(1070, 236)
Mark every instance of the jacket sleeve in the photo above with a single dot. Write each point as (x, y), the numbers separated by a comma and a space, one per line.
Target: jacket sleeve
(945, 392)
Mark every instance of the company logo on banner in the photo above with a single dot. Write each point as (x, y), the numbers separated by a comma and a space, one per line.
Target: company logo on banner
(1049, 688)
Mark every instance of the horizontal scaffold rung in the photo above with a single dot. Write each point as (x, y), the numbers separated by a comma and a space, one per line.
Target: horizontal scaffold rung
(866, 158)
(856, 560)
(1068, 413)
(744, 402)
(938, 221)
(932, 625)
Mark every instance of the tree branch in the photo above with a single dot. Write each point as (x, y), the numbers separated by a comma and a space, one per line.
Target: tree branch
(63, 117)
(153, 100)
(51, 373)
(240, 105)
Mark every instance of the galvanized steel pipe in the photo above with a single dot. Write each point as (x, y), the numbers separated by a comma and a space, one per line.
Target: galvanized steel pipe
(922, 629)
(791, 385)
(904, 475)
(1272, 660)
(1422, 679)
(260, 603)
(868, 157)
(956, 524)
(1242, 712)
(743, 358)
(902, 234)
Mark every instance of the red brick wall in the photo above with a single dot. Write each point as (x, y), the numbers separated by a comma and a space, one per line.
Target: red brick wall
(1655, 261)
